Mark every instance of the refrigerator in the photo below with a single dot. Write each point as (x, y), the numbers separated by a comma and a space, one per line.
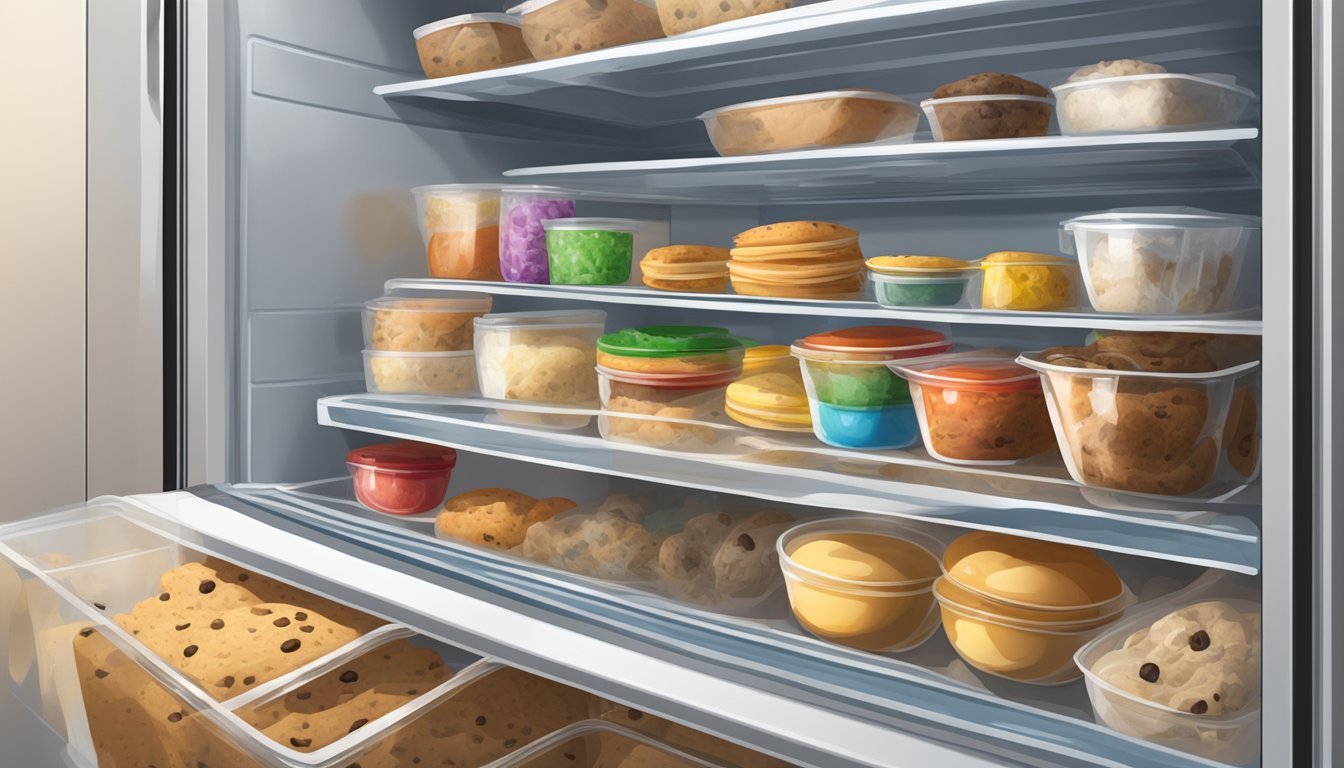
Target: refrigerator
(251, 167)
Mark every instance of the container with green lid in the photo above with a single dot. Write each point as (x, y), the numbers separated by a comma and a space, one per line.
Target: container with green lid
(672, 349)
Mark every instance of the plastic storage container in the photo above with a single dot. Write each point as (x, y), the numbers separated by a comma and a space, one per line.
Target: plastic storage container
(590, 251)
(1150, 102)
(679, 16)
(599, 744)
(920, 281)
(1138, 431)
(555, 28)
(861, 582)
(439, 324)
(693, 350)
(460, 224)
(401, 478)
(470, 43)
(1177, 261)
(1227, 729)
(855, 400)
(979, 407)
(683, 412)
(423, 373)
(988, 116)
(773, 401)
(1032, 282)
(540, 357)
(522, 238)
(810, 120)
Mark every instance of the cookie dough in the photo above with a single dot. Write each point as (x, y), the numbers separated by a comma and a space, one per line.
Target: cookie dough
(415, 326)
(1160, 271)
(977, 423)
(603, 544)
(495, 517)
(991, 119)
(1143, 104)
(461, 48)
(555, 28)
(430, 373)
(686, 406)
(807, 121)
(680, 16)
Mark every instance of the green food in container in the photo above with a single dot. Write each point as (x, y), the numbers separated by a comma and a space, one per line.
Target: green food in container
(935, 291)
(590, 251)
(852, 385)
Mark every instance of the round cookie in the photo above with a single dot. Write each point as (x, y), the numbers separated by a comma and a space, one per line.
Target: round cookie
(601, 544)
(685, 254)
(747, 562)
(839, 289)
(715, 284)
(793, 232)
(495, 517)
(686, 555)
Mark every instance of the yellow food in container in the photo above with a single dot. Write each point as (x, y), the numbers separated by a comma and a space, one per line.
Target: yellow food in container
(1028, 573)
(769, 358)
(1028, 281)
(774, 401)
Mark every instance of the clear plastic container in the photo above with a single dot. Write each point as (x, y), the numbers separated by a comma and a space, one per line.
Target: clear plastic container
(1161, 101)
(470, 43)
(555, 28)
(1175, 261)
(862, 582)
(692, 741)
(540, 357)
(979, 408)
(599, 744)
(692, 350)
(679, 16)
(439, 324)
(773, 401)
(810, 120)
(1029, 282)
(522, 238)
(855, 400)
(401, 478)
(988, 116)
(1229, 736)
(1032, 580)
(943, 289)
(424, 373)
(1138, 431)
(460, 224)
(681, 412)
(590, 251)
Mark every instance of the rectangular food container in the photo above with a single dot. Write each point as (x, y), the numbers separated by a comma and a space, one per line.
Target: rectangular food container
(522, 238)
(460, 225)
(989, 116)
(811, 120)
(555, 28)
(420, 373)
(1139, 431)
(470, 43)
(679, 16)
(1162, 101)
(1174, 261)
(438, 324)
(540, 357)
(599, 744)
(590, 251)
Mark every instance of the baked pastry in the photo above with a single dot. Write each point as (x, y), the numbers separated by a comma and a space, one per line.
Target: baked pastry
(686, 555)
(822, 119)
(990, 83)
(747, 563)
(660, 259)
(792, 233)
(495, 517)
(603, 544)
(566, 27)
(1241, 438)
(990, 118)
(449, 48)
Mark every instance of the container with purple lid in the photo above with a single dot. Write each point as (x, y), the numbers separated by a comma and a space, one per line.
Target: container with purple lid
(522, 239)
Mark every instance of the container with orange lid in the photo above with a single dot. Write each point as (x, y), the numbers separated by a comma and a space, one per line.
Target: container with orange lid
(855, 399)
(979, 407)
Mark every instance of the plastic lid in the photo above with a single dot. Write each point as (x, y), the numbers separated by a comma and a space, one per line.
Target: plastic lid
(671, 380)
(1023, 259)
(867, 94)
(1213, 79)
(990, 370)
(892, 340)
(538, 189)
(584, 225)
(563, 318)
(534, 5)
(1031, 573)
(403, 456)
(449, 189)
(456, 301)
(927, 103)
(862, 552)
(469, 18)
(671, 341)
(1161, 218)
(918, 264)
(946, 590)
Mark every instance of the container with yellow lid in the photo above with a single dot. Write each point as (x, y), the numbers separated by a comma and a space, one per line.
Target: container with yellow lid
(774, 401)
(920, 281)
(1027, 281)
(862, 582)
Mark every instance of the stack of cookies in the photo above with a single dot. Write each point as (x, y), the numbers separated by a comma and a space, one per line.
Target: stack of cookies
(690, 268)
(798, 260)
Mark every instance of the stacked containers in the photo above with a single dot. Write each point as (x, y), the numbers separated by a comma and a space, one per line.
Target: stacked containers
(460, 225)
(673, 378)
(421, 345)
(799, 260)
(862, 582)
(1020, 608)
(855, 399)
(522, 236)
(540, 357)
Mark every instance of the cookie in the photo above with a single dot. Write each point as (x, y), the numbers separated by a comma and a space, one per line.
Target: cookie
(685, 254)
(897, 263)
(801, 274)
(716, 284)
(792, 232)
(802, 257)
(686, 555)
(986, 83)
(1241, 438)
(845, 288)
(1151, 351)
(602, 544)
(495, 517)
(747, 563)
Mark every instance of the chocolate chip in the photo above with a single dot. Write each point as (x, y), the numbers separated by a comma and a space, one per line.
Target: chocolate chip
(100, 606)
(175, 717)
(190, 651)
(300, 616)
(435, 664)
(85, 632)
(249, 680)
(349, 676)
(509, 743)
(303, 695)
(412, 692)
(480, 719)
(181, 627)
(477, 738)
(289, 646)
(569, 756)
(1150, 672)
(217, 624)
(100, 673)
(306, 628)
(296, 741)
(488, 538)
(634, 714)
(244, 576)
(281, 622)
(360, 723)
(227, 682)
(207, 587)
(261, 611)
(1217, 697)
(1199, 707)
(746, 542)
(1199, 641)
(165, 597)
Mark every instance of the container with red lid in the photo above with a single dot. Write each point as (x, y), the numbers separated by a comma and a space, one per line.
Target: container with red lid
(855, 399)
(403, 478)
(979, 407)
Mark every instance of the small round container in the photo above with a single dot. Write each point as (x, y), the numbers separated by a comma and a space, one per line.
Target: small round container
(1033, 580)
(679, 412)
(902, 291)
(460, 225)
(556, 28)
(540, 357)
(988, 116)
(1032, 282)
(420, 373)
(861, 582)
(401, 478)
(979, 408)
(590, 251)
(438, 324)
(772, 400)
(470, 43)
(855, 400)
(522, 236)
(1163, 101)
(1175, 261)
(811, 120)
(674, 350)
